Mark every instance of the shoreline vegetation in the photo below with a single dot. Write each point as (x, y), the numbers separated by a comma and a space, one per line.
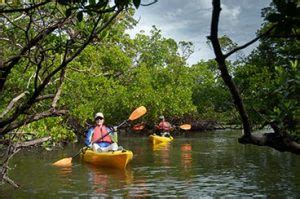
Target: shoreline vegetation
(63, 60)
(196, 125)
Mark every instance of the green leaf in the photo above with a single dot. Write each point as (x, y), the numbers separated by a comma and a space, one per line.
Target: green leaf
(92, 2)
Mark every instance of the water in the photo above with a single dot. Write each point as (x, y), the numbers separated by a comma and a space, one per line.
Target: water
(211, 164)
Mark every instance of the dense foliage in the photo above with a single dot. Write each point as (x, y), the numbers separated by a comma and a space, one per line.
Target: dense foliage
(40, 40)
(269, 78)
(115, 74)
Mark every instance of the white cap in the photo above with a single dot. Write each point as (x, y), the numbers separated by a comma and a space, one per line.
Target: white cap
(161, 117)
(99, 115)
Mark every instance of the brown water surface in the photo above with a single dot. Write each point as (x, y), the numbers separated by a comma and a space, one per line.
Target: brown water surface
(210, 164)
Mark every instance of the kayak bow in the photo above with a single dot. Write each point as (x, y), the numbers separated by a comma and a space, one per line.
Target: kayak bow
(156, 139)
(114, 159)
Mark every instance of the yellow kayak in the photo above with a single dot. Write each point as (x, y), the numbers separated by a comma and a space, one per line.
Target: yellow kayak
(162, 146)
(114, 159)
(156, 139)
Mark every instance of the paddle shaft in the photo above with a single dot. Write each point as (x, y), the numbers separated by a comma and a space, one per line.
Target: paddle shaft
(137, 113)
(133, 116)
(183, 127)
(77, 154)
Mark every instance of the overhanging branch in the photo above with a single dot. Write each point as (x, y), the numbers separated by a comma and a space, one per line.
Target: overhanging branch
(31, 118)
(249, 43)
(272, 140)
(25, 9)
(11, 150)
(11, 104)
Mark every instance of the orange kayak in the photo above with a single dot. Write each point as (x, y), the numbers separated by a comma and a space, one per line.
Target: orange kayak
(138, 127)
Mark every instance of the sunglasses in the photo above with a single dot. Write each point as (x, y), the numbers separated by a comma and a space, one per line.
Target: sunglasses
(99, 118)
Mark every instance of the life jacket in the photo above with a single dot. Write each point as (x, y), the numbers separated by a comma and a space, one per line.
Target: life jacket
(164, 126)
(100, 132)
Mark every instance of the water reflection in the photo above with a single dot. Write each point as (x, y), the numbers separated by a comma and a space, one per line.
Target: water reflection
(64, 172)
(164, 146)
(186, 155)
(140, 188)
(65, 176)
(162, 153)
(101, 179)
(204, 165)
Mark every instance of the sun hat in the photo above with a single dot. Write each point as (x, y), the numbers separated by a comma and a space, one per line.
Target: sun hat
(99, 114)
(161, 117)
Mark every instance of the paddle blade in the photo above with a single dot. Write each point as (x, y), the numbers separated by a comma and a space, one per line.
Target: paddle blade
(140, 111)
(66, 162)
(185, 126)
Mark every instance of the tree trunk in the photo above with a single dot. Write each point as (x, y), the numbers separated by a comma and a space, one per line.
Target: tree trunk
(278, 141)
(220, 58)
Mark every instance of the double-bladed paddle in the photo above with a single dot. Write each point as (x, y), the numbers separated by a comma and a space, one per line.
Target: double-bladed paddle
(137, 113)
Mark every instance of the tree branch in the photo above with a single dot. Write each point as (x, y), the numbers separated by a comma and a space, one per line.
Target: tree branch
(154, 1)
(58, 92)
(12, 102)
(40, 98)
(12, 22)
(10, 152)
(220, 58)
(32, 142)
(9, 40)
(26, 9)
(8, 65)
(249, 43)
(31, 118)
(12, 149)
(12, 122)
(272, 140)
(10, 181)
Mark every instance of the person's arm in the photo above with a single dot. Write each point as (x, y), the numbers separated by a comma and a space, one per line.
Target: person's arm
(88, 139)
(160, 126)
(111, 130)
(156, 127)
(113, 133)
(169, 126)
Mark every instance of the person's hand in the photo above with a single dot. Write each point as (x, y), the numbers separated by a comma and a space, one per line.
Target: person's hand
(115, 128)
